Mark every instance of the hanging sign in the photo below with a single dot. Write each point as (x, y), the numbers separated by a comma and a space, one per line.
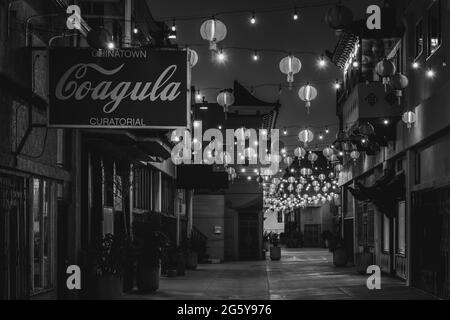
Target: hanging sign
(123, 88)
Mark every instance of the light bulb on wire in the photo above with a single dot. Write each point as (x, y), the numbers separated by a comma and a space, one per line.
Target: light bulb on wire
(322, 63)
(253, 18)
(295, 15)
(255, 56)
(430, 73)
(221, 55)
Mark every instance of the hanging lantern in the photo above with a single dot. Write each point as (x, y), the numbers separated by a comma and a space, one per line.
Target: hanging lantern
(322, 177)
(355, 155)
(339, 17)
(399, 82)
(367, 129)
(225, 99)
(333, 158)
(339, 167)
(313, 157)
(214, 31)
(409, 118)
(306, 136)
(307, 93)
(385, 69)
(193, 57)
(290, 66)
(328, 152)
(288, 161)
(300, 152)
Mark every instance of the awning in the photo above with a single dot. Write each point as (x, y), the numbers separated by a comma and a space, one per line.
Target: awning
(127, 145)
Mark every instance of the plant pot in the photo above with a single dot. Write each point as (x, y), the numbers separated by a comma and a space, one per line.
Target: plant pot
(148, 278)
(108, 287)
(275, 253)
(192, 260)
(340, 257)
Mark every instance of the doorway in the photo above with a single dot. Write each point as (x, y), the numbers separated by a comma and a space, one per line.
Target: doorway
(248, 236)
(312, 235)
(430, 244)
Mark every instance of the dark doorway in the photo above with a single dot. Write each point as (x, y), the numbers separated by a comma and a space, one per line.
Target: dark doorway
(248, 236)
(348, 239)
(430, 244)
(312, 235)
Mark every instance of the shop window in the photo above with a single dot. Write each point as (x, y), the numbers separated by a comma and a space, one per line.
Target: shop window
(42, 236)
(419, 39)
(386, 234)
(401, 228)
(434, 27)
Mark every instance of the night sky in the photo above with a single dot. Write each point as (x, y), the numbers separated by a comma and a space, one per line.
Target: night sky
(273, 30)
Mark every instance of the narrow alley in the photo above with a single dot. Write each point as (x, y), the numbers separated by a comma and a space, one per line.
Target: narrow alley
(302, 274)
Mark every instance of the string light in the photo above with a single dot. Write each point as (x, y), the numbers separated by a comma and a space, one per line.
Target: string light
(111, 45)
(415, 65)
(385, 122)
(135, 30)
(253, 18)
(322, 62)
(255, 56)
(327, 131)
(198, 96)
(355, 64)
(221, 55)
(337, 85)
(295, 16)
(430, 73)
(285, 132)
(174, 26)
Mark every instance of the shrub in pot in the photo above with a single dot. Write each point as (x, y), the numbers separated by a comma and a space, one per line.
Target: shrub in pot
(275, 250)
(150, 243)
(108, 266)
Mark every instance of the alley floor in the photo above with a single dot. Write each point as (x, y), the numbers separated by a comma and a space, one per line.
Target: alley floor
(302, 274)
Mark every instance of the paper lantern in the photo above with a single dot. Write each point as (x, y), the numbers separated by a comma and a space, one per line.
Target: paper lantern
(339, 17)
(290, 66)
(214, 31)
(193, 57)
(288, 161)
(300, 152)
(367, 129)
(313, 157)
(399, 82)
(225, 99)
(307, 93)
(322, 177)
(306, 136)
(385, 69)
(409, 118)
(339, 167)
(355, 155)
(328, 152)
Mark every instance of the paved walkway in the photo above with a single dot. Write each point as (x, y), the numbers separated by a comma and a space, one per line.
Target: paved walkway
(302, 274)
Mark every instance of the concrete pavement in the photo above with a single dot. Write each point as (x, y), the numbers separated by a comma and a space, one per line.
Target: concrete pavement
(302, 274)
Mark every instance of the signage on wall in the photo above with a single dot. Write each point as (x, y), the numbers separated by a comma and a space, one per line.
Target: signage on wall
(124, 88)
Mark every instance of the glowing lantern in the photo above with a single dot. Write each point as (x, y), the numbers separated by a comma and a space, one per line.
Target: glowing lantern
(313, 157)
(290, 66)
(288, 161)
(339, 167)
(306, 136)
(409, 118)
(355, 155)
(385, 69)
(193, 57)
(328, 152)
(339, 17)
(399, 82)
(367, 129)
(214, 31)
(307, 93)
(225, 99)
(322, 177)
(300, 152)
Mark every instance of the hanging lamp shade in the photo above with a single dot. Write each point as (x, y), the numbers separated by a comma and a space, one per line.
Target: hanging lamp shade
(339, 167)
(214, 31)
(307, 93)
(193, 57)
(300, 152)
(400, 83)
(409, 118)
(339, 17)
(290, 66)
(385, 69)
(306, 136)
(225, 99)
(355, 155)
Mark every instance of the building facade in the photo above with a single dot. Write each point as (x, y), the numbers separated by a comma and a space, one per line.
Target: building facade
(395, 197)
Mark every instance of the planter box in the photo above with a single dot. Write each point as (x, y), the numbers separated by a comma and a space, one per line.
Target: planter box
(275, 253)
(148, 278)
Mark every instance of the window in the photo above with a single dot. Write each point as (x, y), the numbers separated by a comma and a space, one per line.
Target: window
(434, 27)
(401, 228)
(386, 234)
(42, 236)
(419, 38)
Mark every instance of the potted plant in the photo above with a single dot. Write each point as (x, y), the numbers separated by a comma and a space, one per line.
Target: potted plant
(150, 243)
(108, 265)
(275, 250)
